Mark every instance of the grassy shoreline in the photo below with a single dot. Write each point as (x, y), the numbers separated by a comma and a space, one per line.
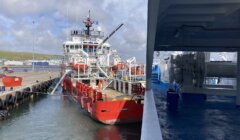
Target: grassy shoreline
(26, 56)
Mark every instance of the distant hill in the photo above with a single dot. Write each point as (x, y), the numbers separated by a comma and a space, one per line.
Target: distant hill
(27, 56)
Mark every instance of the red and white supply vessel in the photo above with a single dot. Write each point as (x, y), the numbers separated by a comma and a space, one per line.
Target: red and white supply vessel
(110, 89)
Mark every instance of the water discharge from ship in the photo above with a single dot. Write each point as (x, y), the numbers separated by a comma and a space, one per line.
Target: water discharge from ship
(59, 82)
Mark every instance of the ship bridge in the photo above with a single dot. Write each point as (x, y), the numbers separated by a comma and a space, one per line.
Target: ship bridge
(189, 25)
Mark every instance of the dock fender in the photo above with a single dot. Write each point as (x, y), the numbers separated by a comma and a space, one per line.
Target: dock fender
(1, 104)
(8, 99)
(45, 87)
(38, 90)
(33, 88)
(24, 94)
(42, 87)
(28, 89)
(14, 100)
(18, 95)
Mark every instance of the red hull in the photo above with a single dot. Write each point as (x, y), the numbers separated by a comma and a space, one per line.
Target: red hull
(115, 112)
(107, 112)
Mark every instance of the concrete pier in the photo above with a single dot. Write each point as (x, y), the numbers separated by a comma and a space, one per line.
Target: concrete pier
(33, 82)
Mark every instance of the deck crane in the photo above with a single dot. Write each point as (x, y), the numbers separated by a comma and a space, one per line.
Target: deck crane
(99, 47)
(105, 39)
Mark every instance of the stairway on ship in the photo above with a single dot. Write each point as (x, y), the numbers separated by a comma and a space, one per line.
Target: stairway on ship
(156, 74)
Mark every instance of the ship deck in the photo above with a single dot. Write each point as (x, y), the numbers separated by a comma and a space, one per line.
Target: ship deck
(115, 95)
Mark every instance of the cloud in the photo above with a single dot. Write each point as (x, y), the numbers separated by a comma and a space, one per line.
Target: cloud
(54, 18)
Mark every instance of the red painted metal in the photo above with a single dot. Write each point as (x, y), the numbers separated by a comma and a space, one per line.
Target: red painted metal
(117, 67)
(12, 81)
(114, 112)
(81, 67)
(104, 110)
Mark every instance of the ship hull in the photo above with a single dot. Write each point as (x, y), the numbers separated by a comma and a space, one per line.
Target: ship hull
(107, 112)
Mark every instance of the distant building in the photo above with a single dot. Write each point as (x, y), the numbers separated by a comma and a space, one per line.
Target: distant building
(55, 62)
(13, 63)
(43, 62)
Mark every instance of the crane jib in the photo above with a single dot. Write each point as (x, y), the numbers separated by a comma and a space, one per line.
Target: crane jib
(110, 35)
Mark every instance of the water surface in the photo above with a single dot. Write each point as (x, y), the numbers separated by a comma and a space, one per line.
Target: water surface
(58, 118)
(217, 118)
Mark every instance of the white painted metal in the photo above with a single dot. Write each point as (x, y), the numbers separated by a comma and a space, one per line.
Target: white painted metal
(150, 125)
(115, 84)
(129, 88)
(59, 82)
(119, 85)
(124, 87)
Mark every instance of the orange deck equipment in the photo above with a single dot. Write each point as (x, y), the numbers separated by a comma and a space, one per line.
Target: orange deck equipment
(12, 81)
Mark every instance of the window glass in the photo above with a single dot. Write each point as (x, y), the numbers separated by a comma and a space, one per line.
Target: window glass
(90, 49)
(85, 48)
(67, 46)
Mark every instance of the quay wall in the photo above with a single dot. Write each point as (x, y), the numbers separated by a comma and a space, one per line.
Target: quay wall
(34, 83)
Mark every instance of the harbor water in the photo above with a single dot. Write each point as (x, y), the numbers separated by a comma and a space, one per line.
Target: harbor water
(215, 118)
(56, 117)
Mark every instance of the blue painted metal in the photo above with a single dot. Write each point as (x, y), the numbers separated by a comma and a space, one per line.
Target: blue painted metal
(2, 88)
(40, 63)
(156, 74)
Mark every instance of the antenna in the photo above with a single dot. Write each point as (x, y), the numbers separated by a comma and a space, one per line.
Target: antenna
(88, 23)
(68, 22)
(89, 14)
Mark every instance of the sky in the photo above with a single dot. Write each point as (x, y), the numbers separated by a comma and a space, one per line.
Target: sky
(53, 20)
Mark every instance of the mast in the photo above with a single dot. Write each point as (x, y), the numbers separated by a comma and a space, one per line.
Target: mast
(88, 23)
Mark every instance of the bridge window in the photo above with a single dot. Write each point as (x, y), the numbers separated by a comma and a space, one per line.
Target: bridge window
(71, 47)
(77, 47)
(90, 49)
(95, 48)
(67, 48)
(85, 48)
